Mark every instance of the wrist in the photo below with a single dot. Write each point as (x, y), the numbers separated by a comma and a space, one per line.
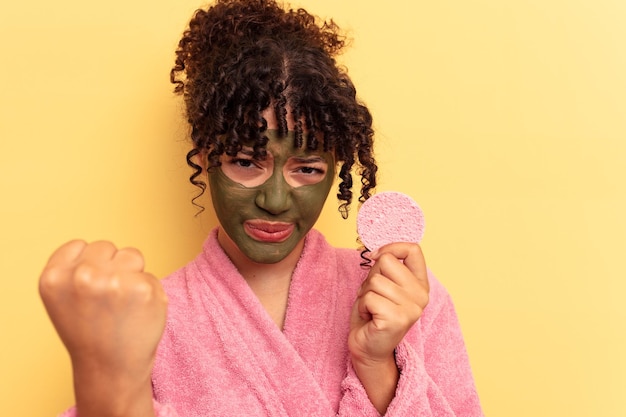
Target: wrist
(379, 377)
(103, 393)
(366, 361)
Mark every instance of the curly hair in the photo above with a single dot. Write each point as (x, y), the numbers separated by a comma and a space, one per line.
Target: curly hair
(239, 57)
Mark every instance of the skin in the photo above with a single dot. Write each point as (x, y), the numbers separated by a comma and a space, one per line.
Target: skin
(388, 304)
(284, 193)
(99, 298)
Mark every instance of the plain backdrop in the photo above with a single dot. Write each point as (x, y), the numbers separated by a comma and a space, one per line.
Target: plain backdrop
(504, 119)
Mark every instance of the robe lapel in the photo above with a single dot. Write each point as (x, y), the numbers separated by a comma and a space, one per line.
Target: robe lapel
(317, 322)
(260, 355)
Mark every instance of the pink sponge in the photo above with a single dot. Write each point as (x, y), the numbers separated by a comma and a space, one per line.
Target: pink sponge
(389, 217)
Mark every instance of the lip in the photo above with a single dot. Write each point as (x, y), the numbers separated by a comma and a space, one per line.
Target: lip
(269, 232)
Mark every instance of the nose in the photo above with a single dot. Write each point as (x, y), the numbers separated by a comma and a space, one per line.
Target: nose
(274, 196)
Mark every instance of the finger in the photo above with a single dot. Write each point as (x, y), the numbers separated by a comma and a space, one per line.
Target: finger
(145, 288)
(410, 294)
(382, 286)
(392, 303)
(56, 272)
(99, 250)
(411, 255)
(129, 258)
(395, 269)
(372, 306)
(67, 253)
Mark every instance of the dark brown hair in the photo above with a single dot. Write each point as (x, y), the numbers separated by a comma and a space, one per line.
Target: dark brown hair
(238, 57)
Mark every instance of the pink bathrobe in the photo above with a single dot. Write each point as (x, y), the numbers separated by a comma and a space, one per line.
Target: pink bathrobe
(222, 355)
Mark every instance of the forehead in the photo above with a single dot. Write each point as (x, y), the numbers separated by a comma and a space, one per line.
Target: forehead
(284, 146)
(272, 123)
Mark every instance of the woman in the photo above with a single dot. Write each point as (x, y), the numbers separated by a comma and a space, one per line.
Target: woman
(269, 319)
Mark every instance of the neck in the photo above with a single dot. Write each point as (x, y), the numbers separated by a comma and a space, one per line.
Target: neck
(254, 271)
(269, 282)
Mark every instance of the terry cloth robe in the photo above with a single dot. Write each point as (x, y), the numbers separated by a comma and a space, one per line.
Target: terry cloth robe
(222, 355)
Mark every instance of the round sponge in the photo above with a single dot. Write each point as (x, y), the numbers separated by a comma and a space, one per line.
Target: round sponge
(389, 217)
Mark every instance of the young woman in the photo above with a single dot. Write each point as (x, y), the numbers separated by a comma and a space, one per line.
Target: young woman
(269, 320)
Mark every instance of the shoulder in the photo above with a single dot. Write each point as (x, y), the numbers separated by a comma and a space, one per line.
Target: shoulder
(347, 262)
(315, 240)
(186, 286)
(440, 311)
(211, 258)
(179, 292)
(175, 280)
(439, 295)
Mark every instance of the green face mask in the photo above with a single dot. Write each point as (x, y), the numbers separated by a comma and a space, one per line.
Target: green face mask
(266, 207)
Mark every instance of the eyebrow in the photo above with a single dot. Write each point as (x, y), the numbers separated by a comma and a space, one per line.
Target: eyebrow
(308, 160)
(246, 152)
(298, 159)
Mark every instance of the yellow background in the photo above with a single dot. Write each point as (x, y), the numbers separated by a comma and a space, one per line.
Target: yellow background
(505, 120)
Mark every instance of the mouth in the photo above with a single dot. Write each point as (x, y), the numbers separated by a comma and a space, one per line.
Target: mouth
(269, 232)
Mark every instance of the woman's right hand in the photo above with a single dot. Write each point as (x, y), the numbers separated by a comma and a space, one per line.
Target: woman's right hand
(110, 315)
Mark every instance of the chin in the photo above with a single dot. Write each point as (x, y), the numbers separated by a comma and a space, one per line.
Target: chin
(269, 253)
(267, 257)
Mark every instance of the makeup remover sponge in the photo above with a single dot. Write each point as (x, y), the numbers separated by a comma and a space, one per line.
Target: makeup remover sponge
(389, 217)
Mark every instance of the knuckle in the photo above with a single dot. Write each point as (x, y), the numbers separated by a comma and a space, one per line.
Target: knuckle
(103, 244)
(147, 290)
(95, 281)
(376, 280)
(386, 257)
(84, 275)
(142, 290)
(51, 280)
(368, 298)
(415, 249)
(130, 259)
(132, 253)
(412, 316)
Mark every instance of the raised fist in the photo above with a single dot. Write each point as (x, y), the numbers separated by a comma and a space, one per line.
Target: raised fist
(108, 312)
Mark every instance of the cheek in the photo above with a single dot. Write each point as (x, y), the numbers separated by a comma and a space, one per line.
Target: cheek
(227, 196)
(312, 197)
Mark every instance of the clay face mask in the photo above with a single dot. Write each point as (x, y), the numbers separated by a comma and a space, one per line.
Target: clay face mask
(267, 206)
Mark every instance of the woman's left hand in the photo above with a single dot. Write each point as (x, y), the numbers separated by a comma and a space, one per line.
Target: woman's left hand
(389, 302)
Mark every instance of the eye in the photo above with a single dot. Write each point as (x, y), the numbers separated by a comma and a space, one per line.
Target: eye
(310, 170)
(301, 171)
(246, 170)
(243, 163)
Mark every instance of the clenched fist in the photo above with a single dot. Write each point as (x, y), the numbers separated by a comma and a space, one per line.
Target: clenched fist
(110, 315)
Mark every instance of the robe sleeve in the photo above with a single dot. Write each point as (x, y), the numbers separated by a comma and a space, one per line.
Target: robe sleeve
(160, 410)
(435, 375)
